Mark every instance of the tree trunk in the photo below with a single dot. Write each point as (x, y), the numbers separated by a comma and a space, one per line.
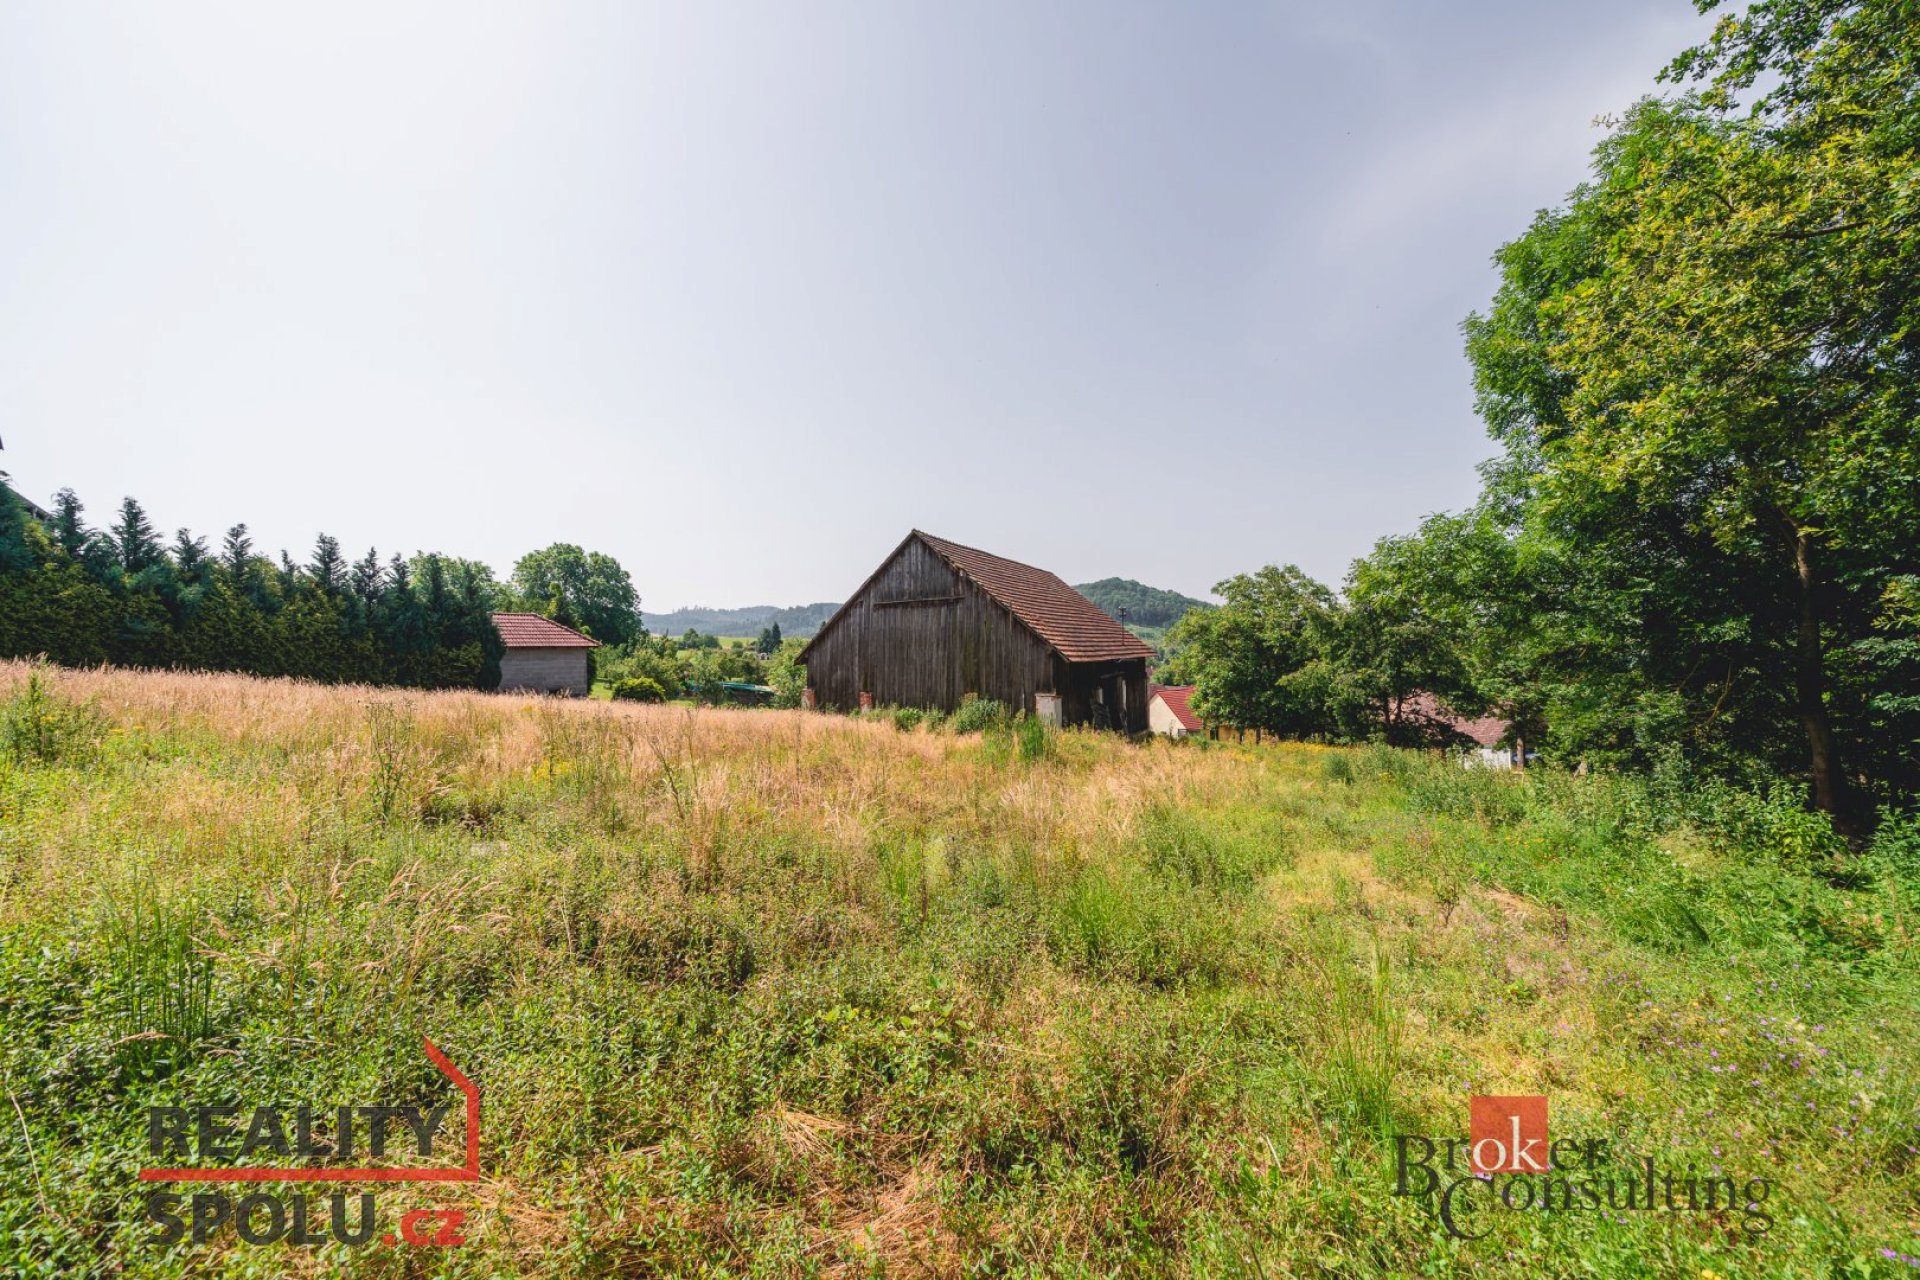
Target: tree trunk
(1811, 685)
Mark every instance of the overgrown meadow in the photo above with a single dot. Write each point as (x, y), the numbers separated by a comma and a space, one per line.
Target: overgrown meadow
(778, 993)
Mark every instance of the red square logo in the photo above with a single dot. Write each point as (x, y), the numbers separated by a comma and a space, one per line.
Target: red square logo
(1507, 1135)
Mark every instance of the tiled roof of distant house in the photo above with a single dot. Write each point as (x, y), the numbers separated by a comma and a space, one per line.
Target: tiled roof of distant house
(531, 631)
(1176, 698)
(1487, 731)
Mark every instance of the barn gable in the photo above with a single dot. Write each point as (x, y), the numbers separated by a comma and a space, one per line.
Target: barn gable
(1072, 625)
(938, 620)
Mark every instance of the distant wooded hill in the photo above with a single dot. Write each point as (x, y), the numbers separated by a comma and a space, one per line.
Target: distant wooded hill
(1146, 606)
(798, 620)
(1149, 607)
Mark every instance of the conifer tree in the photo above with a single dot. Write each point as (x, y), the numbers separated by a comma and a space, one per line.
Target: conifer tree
(125, 595)
(190, 557)
(69, 532)
(135, 543)
(438, 600)
(366, 580)
(401, 625)
(328, 566)
(236, 552)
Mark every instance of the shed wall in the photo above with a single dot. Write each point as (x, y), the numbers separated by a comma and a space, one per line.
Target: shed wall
(545, 671)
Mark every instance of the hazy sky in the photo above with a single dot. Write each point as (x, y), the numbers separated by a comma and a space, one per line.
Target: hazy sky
(740, 293)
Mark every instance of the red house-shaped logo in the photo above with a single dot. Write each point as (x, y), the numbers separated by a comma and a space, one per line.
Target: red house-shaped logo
(1507, 1135)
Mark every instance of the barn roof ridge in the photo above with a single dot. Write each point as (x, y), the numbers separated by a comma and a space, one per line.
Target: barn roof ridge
(1043, 602)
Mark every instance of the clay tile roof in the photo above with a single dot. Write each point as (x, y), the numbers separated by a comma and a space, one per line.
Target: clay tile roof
(531, 631)
(1057, 613)
(1484, 730)
(1176, 697)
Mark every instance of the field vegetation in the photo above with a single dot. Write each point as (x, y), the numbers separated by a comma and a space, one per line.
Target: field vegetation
(779, 993)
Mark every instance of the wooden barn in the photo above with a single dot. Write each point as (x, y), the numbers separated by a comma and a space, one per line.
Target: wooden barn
(937, 621)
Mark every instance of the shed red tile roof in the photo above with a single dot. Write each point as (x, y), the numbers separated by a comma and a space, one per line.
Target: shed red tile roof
(1176, 696)
(1057, 613)
(531, 631)
(1485, 730)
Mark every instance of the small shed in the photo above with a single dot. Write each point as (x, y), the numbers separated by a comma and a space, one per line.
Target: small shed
(542, 656)
(938, 621)
(1169, 711)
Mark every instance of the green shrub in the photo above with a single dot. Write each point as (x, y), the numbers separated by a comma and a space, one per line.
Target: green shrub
(1032, 738)
(1116, 924)
(1895, 850)
(1770, 826)
(1205, 853)
(1381, 761)
(912, 874)
(976, 714)
(1443, 786)
(1338, 767)
(639, 689)
(38, 727)
(905, 719)
(700, 941)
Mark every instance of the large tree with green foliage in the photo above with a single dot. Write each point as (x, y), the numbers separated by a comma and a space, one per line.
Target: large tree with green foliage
(1410, 621)
(1253, 659)
(589, 588)
(1702, 370)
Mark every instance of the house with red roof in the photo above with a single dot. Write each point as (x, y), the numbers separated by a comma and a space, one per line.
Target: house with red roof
(1170, 711)
(543, 656)
(938, 621)
(1484, 738)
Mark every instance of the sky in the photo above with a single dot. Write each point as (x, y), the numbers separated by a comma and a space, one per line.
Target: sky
(739, 293)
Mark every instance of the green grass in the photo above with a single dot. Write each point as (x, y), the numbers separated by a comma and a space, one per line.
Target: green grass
(771, 993)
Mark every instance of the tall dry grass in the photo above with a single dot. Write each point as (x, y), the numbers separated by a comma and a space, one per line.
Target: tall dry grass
(790, 993)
